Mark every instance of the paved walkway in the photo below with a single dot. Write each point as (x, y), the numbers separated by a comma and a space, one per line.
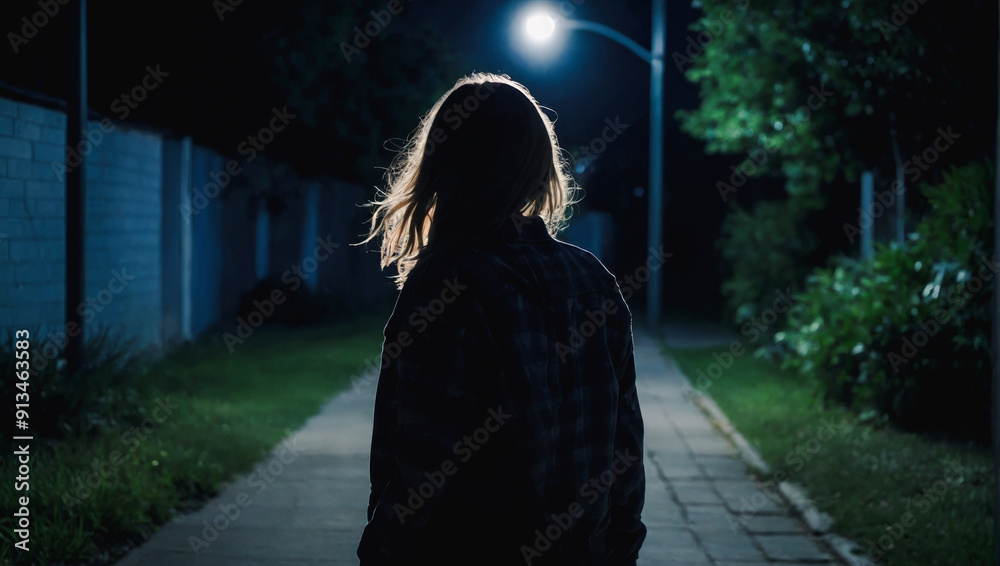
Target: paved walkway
(305, 504)
(697, 334)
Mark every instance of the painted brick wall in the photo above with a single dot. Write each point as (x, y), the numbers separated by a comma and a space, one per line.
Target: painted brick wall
(123, 226)
(126, 217)
(123, 234)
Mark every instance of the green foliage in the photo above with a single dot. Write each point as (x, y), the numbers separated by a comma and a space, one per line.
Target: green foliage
(352, 99)
(813, 94)
(811, 85)
(961, 222)
(93, 496)
(864, 476)
(764, 249)
(907, 334)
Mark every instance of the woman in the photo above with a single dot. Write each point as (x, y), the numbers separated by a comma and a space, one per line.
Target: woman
(507, 428)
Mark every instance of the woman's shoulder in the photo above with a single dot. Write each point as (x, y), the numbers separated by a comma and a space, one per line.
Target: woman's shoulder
(441, 268)
(588, 263)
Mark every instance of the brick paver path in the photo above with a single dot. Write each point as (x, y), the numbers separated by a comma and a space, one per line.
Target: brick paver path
(305, 503)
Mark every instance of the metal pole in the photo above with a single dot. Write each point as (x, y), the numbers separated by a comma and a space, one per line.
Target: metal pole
(657, 49)
(656, 107)
(76, 182)
(612, 34)
(996, 347)
(867, 194)
(901, 192)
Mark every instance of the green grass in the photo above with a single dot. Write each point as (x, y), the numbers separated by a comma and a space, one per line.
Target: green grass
(231, 409)
(865, 477)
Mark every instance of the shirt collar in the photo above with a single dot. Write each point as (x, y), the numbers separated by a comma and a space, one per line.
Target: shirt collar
(523, 228)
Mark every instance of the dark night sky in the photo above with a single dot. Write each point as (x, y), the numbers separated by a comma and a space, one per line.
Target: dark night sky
(590, 78)
(220, 89)
(587, 80)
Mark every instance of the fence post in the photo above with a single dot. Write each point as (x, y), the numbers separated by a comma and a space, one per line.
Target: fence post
(867, 189)
(76, 186)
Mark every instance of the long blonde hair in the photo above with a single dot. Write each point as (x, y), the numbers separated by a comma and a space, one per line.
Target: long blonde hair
(483, 153)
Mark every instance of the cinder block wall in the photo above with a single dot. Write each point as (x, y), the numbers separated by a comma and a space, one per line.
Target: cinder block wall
(133, 231)
(123, 226)
(122, 253)
(32, 254)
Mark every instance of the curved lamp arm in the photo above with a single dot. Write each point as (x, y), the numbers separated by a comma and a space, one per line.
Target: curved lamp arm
(612, 34)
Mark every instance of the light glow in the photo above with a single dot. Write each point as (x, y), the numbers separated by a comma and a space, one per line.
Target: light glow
(540, 26)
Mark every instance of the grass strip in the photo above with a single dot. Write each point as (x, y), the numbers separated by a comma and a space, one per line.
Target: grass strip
(213, 415)
(904, 498)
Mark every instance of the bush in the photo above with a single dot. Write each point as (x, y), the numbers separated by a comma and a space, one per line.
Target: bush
(100, 395)
(906, 336)
(297, 308)
(765, 249)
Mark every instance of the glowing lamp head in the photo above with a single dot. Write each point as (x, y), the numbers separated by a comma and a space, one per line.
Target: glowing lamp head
(540, 26)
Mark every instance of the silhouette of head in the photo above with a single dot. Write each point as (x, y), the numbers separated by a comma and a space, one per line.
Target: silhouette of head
(484, 152)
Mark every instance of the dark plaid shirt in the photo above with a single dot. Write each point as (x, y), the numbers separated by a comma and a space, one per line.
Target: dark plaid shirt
(507, 427)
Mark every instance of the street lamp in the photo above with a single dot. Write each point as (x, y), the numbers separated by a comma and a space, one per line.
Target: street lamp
(540, 26)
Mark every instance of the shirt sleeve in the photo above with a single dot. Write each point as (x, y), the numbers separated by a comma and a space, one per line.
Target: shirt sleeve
(383, 465)
(426, 403)
(626, 532)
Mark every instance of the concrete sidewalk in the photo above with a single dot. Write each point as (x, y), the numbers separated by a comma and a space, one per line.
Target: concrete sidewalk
(305, 503)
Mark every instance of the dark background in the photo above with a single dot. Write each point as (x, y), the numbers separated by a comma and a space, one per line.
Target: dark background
(220, 81)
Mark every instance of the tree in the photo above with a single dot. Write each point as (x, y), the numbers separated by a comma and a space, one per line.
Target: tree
(353, 73)
(358, 77)
(815, 97)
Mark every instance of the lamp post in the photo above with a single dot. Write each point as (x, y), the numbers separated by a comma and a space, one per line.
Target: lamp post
(76, 187)
(540, 26)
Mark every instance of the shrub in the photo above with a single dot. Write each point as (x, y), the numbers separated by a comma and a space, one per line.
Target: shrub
(906, 335)
(765, 249)
(301, 307)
